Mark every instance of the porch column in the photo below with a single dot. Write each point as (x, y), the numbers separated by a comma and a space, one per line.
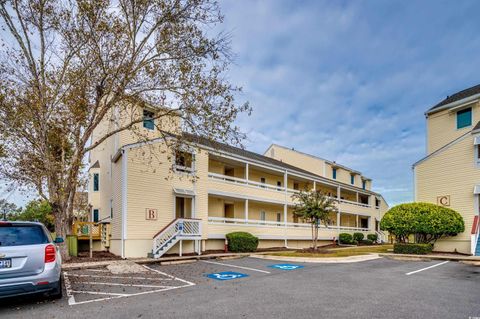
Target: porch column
(356, 221)
(357, 198)
(285, 180)
(285, 212)
(338, 192)
(180, 248)
(246, 210)
(314, 186)
(246, 171)
(338, 218)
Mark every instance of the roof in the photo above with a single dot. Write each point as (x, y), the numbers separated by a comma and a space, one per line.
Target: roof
(95, 165)
(458, 96)
(476, 127)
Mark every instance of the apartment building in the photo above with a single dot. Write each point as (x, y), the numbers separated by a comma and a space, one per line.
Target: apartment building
(449, 174)
(158, 201)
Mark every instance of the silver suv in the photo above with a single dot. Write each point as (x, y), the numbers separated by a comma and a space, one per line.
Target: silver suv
(29, 260)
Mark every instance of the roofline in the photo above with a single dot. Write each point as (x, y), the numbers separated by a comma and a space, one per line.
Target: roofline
(301, 174)
(444, 147)
(317, 157)
(468, 99)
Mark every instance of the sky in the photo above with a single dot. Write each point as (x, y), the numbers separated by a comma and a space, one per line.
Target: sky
(350, 81)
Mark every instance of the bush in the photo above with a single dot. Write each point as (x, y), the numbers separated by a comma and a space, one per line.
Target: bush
(372, 237)
(239, 242)
(428, 222)
(367, 242)
(358, 237)
(345, 238)
(417, 249)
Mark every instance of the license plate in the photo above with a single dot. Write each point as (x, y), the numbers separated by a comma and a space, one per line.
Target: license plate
(6, 263)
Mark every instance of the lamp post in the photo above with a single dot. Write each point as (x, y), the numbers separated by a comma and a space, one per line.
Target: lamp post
(4, 213)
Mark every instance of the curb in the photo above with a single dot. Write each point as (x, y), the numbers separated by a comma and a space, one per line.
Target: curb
(162, 260)
(430, 257)
(319, 260)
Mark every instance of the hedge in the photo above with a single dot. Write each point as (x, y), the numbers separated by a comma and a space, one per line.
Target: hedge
(367, 242)
(239, 242)
(372, 237)
(345, 238)
(358, 237)
(417, 249)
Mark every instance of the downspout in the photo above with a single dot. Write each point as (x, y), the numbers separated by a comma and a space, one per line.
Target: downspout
(124, 200)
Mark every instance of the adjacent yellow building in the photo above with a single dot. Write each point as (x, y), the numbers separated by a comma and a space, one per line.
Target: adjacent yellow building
(449, 175)
(160, 201)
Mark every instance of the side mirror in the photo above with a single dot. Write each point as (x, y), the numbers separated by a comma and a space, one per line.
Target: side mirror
(58, 240)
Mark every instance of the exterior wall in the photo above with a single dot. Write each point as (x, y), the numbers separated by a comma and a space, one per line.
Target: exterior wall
(442, 127)
(451, 172)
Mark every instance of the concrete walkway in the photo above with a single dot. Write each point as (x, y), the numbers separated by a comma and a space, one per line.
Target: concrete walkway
(474, 260)
(325, 260)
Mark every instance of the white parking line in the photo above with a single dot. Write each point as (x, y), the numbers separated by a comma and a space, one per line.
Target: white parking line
(414, 272)
(235, 266)
(111, 295)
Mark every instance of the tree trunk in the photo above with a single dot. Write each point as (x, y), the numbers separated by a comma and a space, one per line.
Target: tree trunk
(62, 229)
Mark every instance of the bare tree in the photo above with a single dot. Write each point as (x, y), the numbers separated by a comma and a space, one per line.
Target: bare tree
(67, 66)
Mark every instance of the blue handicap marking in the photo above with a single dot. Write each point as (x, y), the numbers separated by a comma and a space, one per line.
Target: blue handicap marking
(226, 275)
(286, 266)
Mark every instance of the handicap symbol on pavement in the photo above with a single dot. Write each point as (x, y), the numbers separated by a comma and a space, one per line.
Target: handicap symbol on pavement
(226, 275)
(286, 266)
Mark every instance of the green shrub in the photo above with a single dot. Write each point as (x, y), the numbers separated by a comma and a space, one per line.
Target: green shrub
(417, 249)
(372, 237)
(367, 242)
(345, 238)
(358, 237)
(427, 222)
(239, 242)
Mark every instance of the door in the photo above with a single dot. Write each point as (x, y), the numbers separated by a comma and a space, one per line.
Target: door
(183, 207)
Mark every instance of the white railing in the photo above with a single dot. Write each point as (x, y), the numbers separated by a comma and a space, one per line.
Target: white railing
(354, 203)
(268, 223)
(242, 181)
(180, 228)
(381, 236)
(474, 237)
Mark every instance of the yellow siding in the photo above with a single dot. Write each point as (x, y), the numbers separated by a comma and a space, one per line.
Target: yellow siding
(309, 163)
(451, 172)
(442, 127)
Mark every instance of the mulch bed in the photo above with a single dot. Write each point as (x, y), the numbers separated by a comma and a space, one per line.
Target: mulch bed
(84, 257)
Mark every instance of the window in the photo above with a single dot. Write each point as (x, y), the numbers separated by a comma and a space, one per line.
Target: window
(111, 208)
(279, 185)
(295, 186)
(148, 121)
(334, 173)
(96, 182)
(95, 215)
(364, 184)
(279, 217)
(352, 179)
(184, 162)
(262, 181)
(19, 235)
(464, 118)
(262, 215)
(377, 203)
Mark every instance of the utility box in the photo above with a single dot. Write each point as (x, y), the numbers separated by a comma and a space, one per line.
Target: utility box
(72, 244)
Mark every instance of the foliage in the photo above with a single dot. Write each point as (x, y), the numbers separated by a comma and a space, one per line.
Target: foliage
(372, 237)
(239, 242)
(68, 66)
(7, 207)
(417, 249)
(345, 238)
(316, 208)
(37, 210)
(367, 241)
(358, 237)
(427, 222)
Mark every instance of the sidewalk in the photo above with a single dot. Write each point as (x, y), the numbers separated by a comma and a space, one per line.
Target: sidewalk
(474, 260)
(325, 260)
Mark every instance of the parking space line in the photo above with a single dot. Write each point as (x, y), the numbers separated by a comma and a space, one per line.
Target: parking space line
(117, 284)
(68, 289)
(170, 276)
(120, 277)
(99, 293)
(235, 266)
(414, 272)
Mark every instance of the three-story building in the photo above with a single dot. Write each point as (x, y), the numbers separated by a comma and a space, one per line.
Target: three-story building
(159, 201)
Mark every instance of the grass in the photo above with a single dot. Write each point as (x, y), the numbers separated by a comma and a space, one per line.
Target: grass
(346, 252)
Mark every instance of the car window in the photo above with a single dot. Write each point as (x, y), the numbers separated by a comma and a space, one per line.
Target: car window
(18, 235)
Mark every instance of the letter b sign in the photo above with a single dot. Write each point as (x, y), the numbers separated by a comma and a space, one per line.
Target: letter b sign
(151, 214)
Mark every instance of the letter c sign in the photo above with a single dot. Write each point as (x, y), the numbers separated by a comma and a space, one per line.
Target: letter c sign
(443, 200)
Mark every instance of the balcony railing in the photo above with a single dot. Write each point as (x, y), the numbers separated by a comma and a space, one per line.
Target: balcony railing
(242, 181)
(269, 223)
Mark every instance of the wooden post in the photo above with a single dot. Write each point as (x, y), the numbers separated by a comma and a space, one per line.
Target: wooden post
(90, 230)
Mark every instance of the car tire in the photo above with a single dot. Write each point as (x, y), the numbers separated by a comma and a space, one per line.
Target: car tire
(57, 292)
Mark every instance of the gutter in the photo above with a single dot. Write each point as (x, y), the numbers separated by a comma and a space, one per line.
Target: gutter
(469, 99)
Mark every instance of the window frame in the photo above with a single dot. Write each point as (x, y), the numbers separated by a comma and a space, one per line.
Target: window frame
(352, 179)
(334, 173)
(181, 168)
(460, 112)
(364, 184)
(148, 118)
(93, 215)
(96, 185)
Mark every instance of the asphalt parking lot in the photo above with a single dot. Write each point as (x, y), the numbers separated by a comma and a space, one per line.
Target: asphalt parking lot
(257, 288)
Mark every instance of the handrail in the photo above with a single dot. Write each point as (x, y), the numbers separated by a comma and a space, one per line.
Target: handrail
(174, 231)
(475, 234)
(354, 203)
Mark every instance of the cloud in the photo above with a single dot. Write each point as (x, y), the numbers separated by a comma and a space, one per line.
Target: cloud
(350, 81)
